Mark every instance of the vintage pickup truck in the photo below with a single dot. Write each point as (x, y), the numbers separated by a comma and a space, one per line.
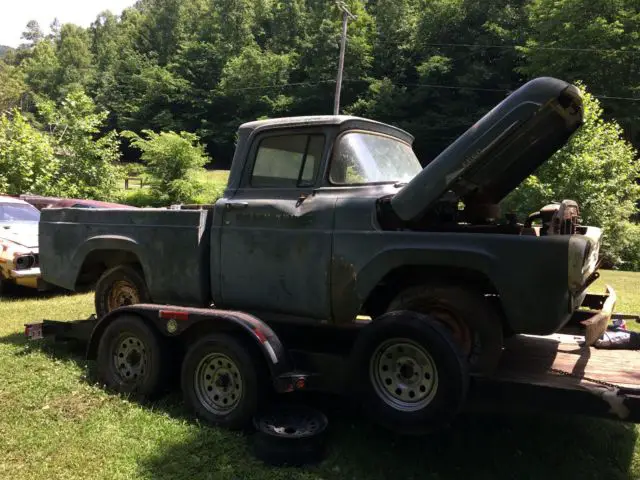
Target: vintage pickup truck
(327, 219)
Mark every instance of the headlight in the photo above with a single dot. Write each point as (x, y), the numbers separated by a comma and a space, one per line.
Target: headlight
(24, 262)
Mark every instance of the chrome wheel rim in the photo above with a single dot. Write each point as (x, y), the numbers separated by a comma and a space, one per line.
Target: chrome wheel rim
(129, 358)
(218, 383)
(403, 374)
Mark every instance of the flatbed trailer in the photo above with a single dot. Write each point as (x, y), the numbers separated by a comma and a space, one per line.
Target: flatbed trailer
(558, 372)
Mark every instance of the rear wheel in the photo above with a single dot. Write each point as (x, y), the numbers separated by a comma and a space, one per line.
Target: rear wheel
(221, 382)
(411, 375)
(120, 286)
(471, 320)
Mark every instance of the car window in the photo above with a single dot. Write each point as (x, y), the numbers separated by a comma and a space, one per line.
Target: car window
(16, 212)
(287, 161)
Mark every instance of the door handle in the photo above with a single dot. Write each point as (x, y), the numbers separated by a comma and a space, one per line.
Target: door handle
(237, 205)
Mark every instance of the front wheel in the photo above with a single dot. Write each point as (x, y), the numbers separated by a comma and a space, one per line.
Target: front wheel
(412, 376)
(221, 381)
(472, 322)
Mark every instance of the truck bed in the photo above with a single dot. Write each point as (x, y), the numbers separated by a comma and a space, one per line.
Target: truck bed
(171, 247)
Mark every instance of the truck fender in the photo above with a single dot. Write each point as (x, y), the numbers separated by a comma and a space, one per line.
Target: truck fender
(106, 242)
(174, 321)
(353, 289)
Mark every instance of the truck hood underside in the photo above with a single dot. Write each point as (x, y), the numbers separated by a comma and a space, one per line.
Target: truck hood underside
(502, 149)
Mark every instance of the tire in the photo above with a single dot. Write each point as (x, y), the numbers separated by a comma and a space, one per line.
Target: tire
(119, 286)
(215, 397)
(290, 435)
(469, 317)
(142, 363)
(428, 378)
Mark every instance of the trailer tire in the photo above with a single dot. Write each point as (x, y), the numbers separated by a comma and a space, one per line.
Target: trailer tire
(119, 286)
(472, 321)
(222, 381)
(131, 358)
(410, 374)
(290, 435)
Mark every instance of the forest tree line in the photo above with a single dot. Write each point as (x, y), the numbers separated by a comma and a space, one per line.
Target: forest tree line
(432, 67)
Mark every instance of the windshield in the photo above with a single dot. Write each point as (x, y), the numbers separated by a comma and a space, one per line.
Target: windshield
(16, 212)
(372, 158)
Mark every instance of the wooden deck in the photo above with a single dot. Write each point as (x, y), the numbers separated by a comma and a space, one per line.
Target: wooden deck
(530, 360)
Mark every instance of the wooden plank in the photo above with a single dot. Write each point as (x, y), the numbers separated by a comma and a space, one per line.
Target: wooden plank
(529, 359)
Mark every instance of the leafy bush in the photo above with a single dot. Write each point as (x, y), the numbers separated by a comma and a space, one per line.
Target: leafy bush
(173, 160)
(27, 161)
(139, 197)
(599, 170)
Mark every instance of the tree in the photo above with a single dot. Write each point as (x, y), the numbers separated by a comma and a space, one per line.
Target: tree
(27, 161)
(87, 159)
(12, 87)
(33, 32)
(596, 41)
(598, 169)
(172, 160)
(74, 58)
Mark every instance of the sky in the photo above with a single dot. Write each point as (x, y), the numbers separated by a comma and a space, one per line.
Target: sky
(14, 14)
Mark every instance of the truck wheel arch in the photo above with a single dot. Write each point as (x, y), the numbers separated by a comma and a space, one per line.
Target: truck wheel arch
(389, 273)
(98, 254)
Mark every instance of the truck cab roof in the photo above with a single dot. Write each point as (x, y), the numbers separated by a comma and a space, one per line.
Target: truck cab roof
(344, 121)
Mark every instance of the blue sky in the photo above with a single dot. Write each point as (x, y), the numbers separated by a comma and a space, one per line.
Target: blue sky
(14, 14)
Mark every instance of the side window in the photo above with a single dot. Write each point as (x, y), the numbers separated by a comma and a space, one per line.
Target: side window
(287, 161)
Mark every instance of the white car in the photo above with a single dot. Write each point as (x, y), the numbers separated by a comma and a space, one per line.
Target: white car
(19, 262)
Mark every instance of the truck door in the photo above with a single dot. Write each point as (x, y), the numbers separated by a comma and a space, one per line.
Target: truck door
(276, 235)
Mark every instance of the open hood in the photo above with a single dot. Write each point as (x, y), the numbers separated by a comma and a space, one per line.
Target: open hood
(502, 149)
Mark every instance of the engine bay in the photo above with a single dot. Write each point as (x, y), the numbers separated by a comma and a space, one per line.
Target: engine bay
(450, 215)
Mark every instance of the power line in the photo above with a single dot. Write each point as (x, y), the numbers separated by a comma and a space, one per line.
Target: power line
(415, 85)
(549, 48)
(281, 85)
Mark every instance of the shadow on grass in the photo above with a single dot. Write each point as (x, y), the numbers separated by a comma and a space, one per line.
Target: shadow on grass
(12, 292)
(477, 445)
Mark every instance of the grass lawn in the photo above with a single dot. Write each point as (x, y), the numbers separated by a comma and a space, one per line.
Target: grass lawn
(55, 424)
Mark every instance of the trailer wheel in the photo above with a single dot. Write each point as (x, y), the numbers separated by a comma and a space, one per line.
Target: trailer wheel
(291, 435)
(120, 286)
(411, 375)
(221, 383)
(469, 318)
(131, 358)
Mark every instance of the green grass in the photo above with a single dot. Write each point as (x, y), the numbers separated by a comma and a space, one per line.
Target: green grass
(55, 423)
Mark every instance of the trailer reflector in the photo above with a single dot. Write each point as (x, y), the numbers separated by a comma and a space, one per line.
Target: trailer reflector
(173, 314)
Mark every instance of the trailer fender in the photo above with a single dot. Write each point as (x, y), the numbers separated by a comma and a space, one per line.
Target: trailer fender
(175, 322)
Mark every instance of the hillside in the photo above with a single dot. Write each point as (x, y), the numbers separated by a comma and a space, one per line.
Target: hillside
(4, 49)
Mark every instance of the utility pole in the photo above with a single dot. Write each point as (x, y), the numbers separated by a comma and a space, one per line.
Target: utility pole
(346, 15)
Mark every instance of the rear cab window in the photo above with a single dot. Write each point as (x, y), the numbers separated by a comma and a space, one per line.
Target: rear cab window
(287, 161)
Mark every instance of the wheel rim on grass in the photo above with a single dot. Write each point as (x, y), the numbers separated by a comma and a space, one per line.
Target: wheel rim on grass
(292, 422)
(129, 358)
(218, 383)
(122, 293)
(403, 374)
